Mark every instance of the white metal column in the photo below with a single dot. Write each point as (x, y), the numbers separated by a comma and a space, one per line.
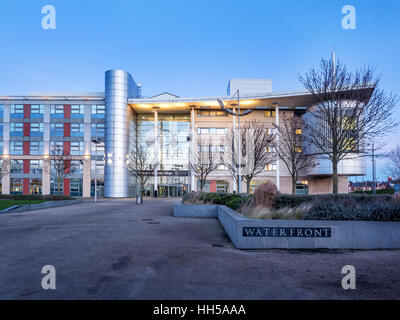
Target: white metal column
(277, 145)
(234, 145)
(155, 150)
(192, 153)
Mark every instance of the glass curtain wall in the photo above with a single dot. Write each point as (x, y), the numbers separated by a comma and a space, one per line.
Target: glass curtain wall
(173, 151)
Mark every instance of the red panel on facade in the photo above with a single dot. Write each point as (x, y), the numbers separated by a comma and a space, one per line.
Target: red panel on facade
(67, 148)
(67, 111)
(27, 165)
(26, 148)
(27, 111)
(213, 186)
(67, 187)
(67, 129)
(26, 186)
(27, 129)
(67, 166)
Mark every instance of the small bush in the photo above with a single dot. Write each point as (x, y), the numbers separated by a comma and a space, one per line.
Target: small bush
(231, 200)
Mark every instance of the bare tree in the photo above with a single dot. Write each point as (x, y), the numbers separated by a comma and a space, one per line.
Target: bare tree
(140, 165)
(4, 167)
(59, 165)
(205, 160)
(394, 163)
(347, 111)
(254, 153)
(290, 148)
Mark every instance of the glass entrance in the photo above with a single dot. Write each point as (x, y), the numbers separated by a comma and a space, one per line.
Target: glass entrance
(168, 191)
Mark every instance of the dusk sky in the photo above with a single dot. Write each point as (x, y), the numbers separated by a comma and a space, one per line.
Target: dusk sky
(192, 47)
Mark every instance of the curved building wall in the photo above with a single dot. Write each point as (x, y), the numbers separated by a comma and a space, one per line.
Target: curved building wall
(352, 165)
(119, 86)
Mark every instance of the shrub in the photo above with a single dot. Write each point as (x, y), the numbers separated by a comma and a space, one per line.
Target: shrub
(293, 201)
(351, 209)
(35, 197)
(231, 200)
(265, 194)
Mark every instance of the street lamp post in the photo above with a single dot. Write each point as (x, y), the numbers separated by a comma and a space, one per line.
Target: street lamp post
(96, 141)
(236, 114)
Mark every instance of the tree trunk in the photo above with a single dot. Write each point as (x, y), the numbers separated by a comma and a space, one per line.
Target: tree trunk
(294, 184)
(335, 177)
(202, 183)
(58, 185)
(248, 185)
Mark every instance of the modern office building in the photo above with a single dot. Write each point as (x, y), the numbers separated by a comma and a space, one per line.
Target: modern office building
(96, 132)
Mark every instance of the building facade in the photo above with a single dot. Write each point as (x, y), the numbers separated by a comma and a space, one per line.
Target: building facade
(96, 132)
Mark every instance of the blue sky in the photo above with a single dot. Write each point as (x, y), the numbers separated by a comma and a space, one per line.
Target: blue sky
(191, 47)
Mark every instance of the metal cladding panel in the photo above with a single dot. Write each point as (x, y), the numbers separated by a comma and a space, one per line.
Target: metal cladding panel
(119, 86)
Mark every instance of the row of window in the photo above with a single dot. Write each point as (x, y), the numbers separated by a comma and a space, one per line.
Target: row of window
(56, 129)
(56, 111)
(35, 186)
(221, 113)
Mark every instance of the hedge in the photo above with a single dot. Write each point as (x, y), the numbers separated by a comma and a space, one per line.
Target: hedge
(293, 201)
(35, 197)
(231, 200)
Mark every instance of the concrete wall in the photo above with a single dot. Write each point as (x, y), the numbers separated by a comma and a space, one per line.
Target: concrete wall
(298, 234)
(195, 210)
(343, 234)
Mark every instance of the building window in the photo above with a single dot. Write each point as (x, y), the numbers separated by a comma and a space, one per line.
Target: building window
(36, 148)
(98, 111)
(269, 113)
(37, 111)
(98, 130)
(16, 129)
(36, 167)
(1, 129)
(270, 130)
(36, 129)
(270, 167)
(1, 111)
(76, 187)
(76, 148)
(35, 186)
(299, 131)
(298, 149)
(1, 147)
(77, 111)
(17, 166)
(57, 147)
(212, 130)
(76, 167)
(77, 129)
(56, 187)
(17, 111)
(57, 129)
(16, 148)
(57, 111)
(99, 148)
(211, 113)
(16, 185)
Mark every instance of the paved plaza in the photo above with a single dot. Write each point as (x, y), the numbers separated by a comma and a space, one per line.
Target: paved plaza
(115, 249)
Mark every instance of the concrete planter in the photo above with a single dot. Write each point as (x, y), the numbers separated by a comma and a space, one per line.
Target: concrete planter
(248, 233)
(196, 210)
(44, 205)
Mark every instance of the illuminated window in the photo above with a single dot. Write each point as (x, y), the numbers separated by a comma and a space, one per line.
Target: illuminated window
(299, 131)
(270, 167)
(269, 113)
(298, 149)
